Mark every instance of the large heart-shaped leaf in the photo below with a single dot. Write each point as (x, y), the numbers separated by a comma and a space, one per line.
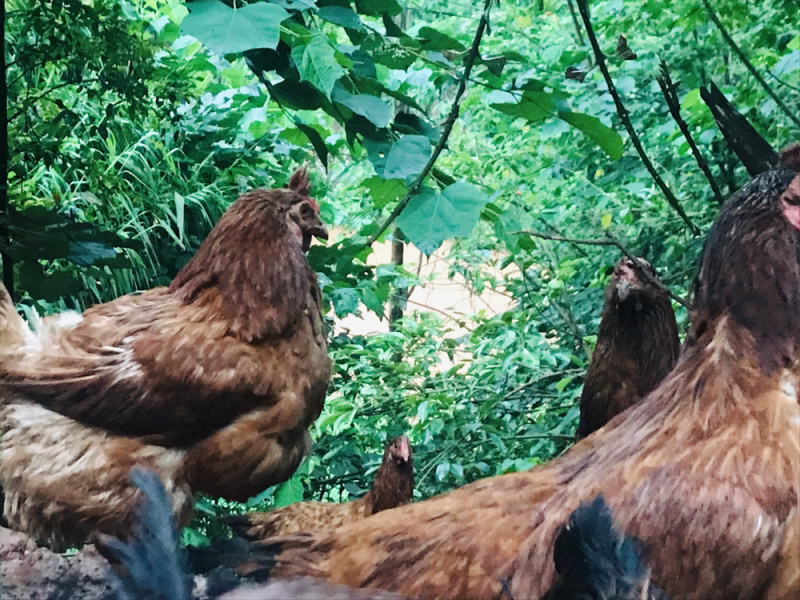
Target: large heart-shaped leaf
(317, 64)
(225, 30)
(408, 157)
(432, 217)
(370, 107)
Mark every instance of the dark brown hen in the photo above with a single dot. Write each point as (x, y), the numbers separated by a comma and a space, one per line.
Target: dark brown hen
(705, 470)
(637, 345)
(212, 381)
(393, 486)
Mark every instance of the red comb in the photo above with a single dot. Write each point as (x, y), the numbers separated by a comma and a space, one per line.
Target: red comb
(314, 204)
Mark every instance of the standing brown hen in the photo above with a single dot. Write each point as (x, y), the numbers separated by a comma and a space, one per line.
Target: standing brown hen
(393, 486)
(212, 381)
(705, 470)
(637, 345)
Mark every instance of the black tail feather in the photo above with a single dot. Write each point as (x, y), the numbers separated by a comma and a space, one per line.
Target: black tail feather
(151, 564)
(595, 562)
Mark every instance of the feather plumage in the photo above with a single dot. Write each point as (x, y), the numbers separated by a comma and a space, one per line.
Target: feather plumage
(213, 381)
(705, 470)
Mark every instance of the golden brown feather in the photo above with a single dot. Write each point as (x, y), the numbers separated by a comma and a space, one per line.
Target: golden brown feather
(393, 486)
(705, 470)
(212, 381)
(637, 346)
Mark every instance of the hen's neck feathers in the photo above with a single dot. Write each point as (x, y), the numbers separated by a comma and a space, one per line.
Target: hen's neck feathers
(636, 325)
(750, 272)
(250, 270)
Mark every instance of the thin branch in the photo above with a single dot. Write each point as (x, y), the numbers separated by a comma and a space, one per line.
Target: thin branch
(674, 105)
(738, 51)
(626, 121)
(448, 125)
(29, 101)
(575, 22)
(609, 241)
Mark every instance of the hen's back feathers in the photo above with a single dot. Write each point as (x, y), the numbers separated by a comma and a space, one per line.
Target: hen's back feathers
(393, 486)
(637, 345)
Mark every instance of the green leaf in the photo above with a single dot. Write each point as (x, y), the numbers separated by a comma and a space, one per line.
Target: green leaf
(384, 191)
(341, 15)
(432, 39)
(193, 537)
(408, 157)
(345, 301)
(432, 217)
(84, 253)
(316, 141)
(226, 31)
(787, 64)
(289, 492)
(300, 95)
(605, 221)
(608, 139)
(534, 106)
(378, 7)
(317, 64)
(563, 383)
(370, 107)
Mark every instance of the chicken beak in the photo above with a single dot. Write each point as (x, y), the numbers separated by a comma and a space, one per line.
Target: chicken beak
(319, 230)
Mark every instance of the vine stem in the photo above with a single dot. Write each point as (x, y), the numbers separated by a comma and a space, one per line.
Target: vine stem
(609, 240)
(483, 24)
(626, 120)
(668, 88)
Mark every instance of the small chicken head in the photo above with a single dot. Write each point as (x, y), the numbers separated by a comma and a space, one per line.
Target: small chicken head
(302, 210)
(400, 450)
(627, 280)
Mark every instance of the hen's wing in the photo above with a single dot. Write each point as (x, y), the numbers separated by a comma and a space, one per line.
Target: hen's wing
(148, 366)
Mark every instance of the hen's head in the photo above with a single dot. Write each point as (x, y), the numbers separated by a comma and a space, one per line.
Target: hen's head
(399, 451)
(629, 284)
(302, 211)
(292, 207)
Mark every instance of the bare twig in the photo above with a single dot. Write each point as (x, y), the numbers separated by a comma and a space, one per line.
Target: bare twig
(738, 51)
(446, 129)
(674, 105)
(609, 241)
(626, 121)
(575, 22)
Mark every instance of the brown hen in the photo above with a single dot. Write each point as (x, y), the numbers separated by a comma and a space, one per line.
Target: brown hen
(705, 470)
(393, 486)
(637, 345)
(212, 381)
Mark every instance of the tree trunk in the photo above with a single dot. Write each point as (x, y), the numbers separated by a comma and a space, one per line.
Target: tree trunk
(400, 295)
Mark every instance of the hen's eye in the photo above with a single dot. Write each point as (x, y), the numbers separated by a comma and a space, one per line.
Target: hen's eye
(306, 211)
